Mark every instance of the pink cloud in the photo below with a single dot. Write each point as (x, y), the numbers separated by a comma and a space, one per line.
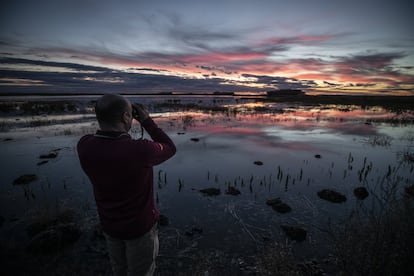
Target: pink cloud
(223, 57)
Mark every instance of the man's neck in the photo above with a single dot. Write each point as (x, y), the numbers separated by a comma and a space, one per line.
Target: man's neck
(112, 128)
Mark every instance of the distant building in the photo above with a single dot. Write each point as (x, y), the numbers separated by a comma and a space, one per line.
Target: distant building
(285, 92)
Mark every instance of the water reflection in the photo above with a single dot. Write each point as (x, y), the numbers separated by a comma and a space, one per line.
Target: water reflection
(301, 150)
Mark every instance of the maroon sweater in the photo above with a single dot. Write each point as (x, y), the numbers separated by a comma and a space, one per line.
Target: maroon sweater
(120, 170)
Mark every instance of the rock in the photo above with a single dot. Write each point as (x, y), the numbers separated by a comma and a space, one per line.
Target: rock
(164, 221)
(197, 230)
(25, 179)
(332, 196)
(232, 191)
(195, 139)
(294, 232)
(194, 230)
(7, 139)
(278, 205)
(258, 163)
(210, 191)
(409, 190)
(180, 133)
(42, 162)
(51, 155)
(55, 239)
(361, 193)
(318, 156)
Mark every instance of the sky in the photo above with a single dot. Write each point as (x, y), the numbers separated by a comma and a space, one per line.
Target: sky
(348, 47)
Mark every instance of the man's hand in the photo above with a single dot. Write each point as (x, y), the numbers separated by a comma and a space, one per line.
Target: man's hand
(139, 113)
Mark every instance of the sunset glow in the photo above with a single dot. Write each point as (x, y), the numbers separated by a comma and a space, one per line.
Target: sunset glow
(342, 48)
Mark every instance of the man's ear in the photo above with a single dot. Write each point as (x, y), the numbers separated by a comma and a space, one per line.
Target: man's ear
(126, 117)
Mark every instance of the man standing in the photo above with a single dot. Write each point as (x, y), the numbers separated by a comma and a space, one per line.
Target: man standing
(120, 170)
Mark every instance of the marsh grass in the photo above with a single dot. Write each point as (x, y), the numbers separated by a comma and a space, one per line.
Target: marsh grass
(380, 141)
(277, 259)
(378, 241)
(44, 219)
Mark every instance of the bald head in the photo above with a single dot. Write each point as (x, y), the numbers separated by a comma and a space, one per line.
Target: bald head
(110, 108)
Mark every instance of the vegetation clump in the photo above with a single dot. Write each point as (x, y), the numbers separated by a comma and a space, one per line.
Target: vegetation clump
(294, 232)
(409, 190)
(50, 155)
(210, 191)
(25, 179)
(278, 205)
(54, 239)
(232, 191)
(332, 196)
(377, 243)
(51, 233)
(361, 193)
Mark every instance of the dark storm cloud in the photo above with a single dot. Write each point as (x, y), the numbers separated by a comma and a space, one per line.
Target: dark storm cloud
(330, 83)
(73, 66)
(376, 68)
(148, 70)
(371, 63)
(92, 79)
(280, 82)
(212, 43)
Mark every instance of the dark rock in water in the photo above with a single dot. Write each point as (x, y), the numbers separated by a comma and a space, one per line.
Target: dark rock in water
(318, 156)
(210, 191)
(54, 239)
(25, 179)
(258, 163)
(232, 191)
(180, 133)
(195, 139)
(197, 230)
(194, 231)
(42, 162)
(189, 233)
(409, 190)
(51, 155)
(361, 193)
(294, 232)
(332, 196)
(164, 221)
(278, 205)
(7, 139)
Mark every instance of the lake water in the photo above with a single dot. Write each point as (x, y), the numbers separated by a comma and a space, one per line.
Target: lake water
(301, 149)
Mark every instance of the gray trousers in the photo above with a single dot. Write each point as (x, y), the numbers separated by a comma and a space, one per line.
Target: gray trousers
(134, 257)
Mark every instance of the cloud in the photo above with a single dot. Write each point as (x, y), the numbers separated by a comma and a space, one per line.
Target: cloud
(280, 82)
(74, 66)
(299, 39)
(372, 69)
(215, 68)
(92, 79)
